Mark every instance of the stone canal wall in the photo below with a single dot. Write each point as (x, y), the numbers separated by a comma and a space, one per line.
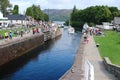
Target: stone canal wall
(56, 33)
(115, 69)
(13, 50)
(18, 48)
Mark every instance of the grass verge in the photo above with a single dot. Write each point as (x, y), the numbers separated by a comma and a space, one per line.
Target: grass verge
(110, 46)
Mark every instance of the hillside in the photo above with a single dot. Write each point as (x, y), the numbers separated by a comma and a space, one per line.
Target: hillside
(58, 14)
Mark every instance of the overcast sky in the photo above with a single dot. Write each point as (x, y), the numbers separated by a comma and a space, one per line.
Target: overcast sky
(63, 4)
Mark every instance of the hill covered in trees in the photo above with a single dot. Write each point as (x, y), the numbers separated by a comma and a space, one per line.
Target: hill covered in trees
(58, 14)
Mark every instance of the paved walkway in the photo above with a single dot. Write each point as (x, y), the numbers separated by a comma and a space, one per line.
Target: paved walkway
(92, 54)
(87, 52)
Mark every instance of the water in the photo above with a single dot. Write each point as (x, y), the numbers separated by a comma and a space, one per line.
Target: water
(48, 62)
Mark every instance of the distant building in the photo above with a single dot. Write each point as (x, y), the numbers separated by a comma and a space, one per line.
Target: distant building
(107, 25)
(17, 19)
(116, 21)
(3, 21)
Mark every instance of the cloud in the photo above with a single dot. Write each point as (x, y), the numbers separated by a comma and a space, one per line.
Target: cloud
(64, 4)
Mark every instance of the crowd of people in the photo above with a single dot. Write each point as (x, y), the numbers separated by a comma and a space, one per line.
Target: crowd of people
(91, 31)
(41, 27)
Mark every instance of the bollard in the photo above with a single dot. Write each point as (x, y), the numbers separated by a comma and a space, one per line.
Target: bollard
(97, 45)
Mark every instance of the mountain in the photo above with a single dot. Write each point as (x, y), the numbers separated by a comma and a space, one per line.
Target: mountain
(58, 14)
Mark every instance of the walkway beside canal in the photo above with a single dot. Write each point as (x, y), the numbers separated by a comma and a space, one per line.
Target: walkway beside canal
(88, 52)
(76, 72)
(92, 54)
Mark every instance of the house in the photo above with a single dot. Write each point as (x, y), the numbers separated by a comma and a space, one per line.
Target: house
(3, 21)
(17, 19)
(116, 21)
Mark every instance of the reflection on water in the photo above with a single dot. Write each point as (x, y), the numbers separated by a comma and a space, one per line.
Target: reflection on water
(48, 62)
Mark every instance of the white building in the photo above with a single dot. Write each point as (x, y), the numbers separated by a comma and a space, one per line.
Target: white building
(116, 21)
(17, 19)
(107, 25)
(3, 21)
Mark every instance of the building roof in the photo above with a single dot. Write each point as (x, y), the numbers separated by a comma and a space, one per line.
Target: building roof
(16, 17)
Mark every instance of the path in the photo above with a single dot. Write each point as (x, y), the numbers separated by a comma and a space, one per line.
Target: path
(88, 53)
(92, 54)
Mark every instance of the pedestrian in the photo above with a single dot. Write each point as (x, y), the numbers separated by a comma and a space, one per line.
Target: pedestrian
(6, 35)
(37, 31)
(33, 30)
(87, 40)
(10, 35)
(85, 36)
(21, 33)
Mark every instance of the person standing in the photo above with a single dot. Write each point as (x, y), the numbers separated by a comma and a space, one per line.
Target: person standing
(21, 33)
(10, 35)
(37, 31)
(6, 35)
(33, 30)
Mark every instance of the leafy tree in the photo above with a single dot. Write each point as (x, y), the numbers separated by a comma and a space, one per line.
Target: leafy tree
(15, 9)
(29, 12)
(35, 12)
(72, 16)
(93, 15)
(46, 17)
(4, 4)
(115, 12)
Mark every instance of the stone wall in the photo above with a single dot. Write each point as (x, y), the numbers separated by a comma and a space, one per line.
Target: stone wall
(14, 50)
(18, 48)
(56, 34)
(114, 69)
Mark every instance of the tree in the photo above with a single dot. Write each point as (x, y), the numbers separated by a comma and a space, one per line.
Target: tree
(35, 12)
(93, 15)
(72, 18)
(29, 11)
(4, 4)
(46, 17)
(114, 11)
(15, 9)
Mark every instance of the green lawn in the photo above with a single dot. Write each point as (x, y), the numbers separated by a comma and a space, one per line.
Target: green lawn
(110, 46)
(2, 32)
(8, 30)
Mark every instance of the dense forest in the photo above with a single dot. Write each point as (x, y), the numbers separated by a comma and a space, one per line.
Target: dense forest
(93, 15)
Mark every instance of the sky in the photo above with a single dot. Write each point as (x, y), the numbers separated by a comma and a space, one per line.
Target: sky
(63, 4)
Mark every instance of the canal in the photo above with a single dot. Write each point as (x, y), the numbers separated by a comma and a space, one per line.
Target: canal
(48, 62)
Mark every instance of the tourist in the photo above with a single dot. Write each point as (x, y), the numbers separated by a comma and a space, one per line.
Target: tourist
(87, 40)
(6, 35)
(21, 33)
(37, 31)
(10, 35)
(33, 30)
(85, 36)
